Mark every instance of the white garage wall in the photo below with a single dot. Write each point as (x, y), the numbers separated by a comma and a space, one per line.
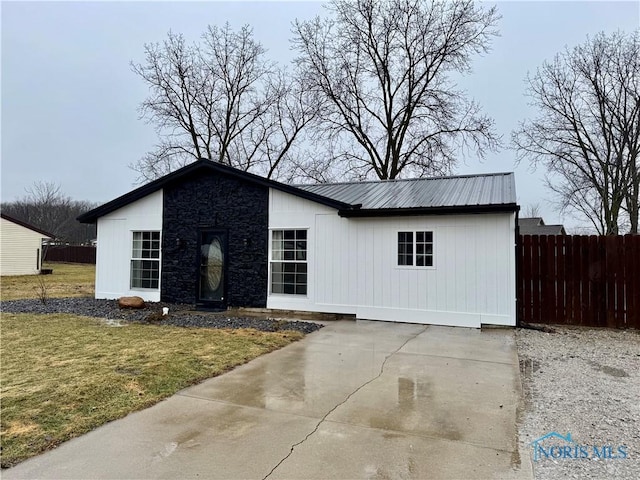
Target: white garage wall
(353, 266)
(113, 256)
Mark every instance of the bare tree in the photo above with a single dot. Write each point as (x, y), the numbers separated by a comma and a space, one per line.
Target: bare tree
(277, 135)
(317, 165)
(219, 99)
(587, 134)
(382, 67)
(46, 207)
(532, 210)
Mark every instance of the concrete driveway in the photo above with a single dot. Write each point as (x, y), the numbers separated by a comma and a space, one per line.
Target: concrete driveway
(356, 399)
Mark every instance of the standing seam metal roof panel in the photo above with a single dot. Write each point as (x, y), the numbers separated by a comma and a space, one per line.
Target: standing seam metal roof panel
(458, 191)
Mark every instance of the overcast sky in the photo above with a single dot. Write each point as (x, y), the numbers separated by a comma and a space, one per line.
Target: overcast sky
(69, 97)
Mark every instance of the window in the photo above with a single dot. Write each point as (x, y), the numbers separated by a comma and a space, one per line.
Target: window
(145, 260)
(405, 248)
(418, 253)
(424, 249)
(289, 262)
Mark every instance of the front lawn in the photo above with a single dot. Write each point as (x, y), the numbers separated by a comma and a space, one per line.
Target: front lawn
(64, 375)
(67, 280)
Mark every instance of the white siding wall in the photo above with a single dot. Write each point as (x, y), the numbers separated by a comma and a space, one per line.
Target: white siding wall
(113, 257)
(353, 266)
(20, 249)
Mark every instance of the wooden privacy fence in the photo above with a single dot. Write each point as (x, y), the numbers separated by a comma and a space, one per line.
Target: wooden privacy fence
(579, 280)
(70, 254)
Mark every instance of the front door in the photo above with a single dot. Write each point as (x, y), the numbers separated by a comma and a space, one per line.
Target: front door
(212, 269)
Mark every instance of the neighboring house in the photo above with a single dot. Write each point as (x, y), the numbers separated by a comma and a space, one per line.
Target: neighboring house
(438, 251)
(20, 247)
(536, 226)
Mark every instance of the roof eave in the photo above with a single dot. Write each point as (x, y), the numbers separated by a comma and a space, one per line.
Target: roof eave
(130, 197)
(314, 197)
(17, 221)
(441, 210)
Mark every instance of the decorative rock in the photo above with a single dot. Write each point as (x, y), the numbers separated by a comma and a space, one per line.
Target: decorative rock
(131, 302)
(182, 314)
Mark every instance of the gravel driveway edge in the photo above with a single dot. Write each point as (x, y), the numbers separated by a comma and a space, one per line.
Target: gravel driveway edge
(586, 382)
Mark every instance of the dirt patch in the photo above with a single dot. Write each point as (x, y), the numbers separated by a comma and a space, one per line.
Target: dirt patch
(614, 372)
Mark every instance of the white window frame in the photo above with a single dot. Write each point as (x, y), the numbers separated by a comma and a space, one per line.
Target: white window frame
(414, 254)
(273, 260)
(142, 258)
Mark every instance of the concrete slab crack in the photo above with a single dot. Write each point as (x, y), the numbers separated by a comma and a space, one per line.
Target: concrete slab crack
(315, 429)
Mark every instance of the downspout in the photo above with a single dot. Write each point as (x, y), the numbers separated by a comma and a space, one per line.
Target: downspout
(518, 248)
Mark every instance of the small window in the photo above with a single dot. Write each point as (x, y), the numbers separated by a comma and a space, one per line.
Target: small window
(289, 262)
(418, 252)
(424, 249)
(145, 260)
(405, 248)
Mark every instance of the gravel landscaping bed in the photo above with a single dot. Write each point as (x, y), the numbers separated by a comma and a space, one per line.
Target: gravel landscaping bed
(179, 315)
(585, 382)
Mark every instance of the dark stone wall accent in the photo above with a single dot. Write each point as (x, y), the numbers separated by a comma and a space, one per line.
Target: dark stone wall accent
(224, 203)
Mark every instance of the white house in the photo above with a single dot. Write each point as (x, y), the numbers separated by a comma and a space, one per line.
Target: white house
(20, 247)
(434, 250)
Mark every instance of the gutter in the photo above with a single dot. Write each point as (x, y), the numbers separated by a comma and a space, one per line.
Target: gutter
(518, 248)
(450, 210)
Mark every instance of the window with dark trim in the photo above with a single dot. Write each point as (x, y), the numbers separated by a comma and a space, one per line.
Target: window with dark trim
(145, 260)
(289, 262)
(405, 248)
(415, 248)
(424, 249)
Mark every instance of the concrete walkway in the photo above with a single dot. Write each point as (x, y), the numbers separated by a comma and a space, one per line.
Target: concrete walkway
(354, 400)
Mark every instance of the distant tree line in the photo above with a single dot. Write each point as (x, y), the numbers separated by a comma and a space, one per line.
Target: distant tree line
(46, 207)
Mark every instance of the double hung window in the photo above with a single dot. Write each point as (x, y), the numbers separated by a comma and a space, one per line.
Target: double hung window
(289, 262)
(145, 260)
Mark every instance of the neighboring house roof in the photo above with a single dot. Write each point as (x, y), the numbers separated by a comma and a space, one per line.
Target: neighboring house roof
(439, 195)
(457, 194)
(27, 225)
(543, 230)
(536, 226)
(530, 221)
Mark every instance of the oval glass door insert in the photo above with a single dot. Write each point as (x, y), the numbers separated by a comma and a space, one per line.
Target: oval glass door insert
(211, 267)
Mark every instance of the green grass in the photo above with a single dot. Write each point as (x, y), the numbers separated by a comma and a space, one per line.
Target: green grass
(64, 375)
(67, 280)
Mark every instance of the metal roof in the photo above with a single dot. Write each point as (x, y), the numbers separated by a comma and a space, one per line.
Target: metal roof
(494, 192)
(458, 191)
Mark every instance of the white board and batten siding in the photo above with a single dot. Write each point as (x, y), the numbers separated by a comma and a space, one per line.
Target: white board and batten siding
(352, 266)
(115, 240)
(20, 249)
